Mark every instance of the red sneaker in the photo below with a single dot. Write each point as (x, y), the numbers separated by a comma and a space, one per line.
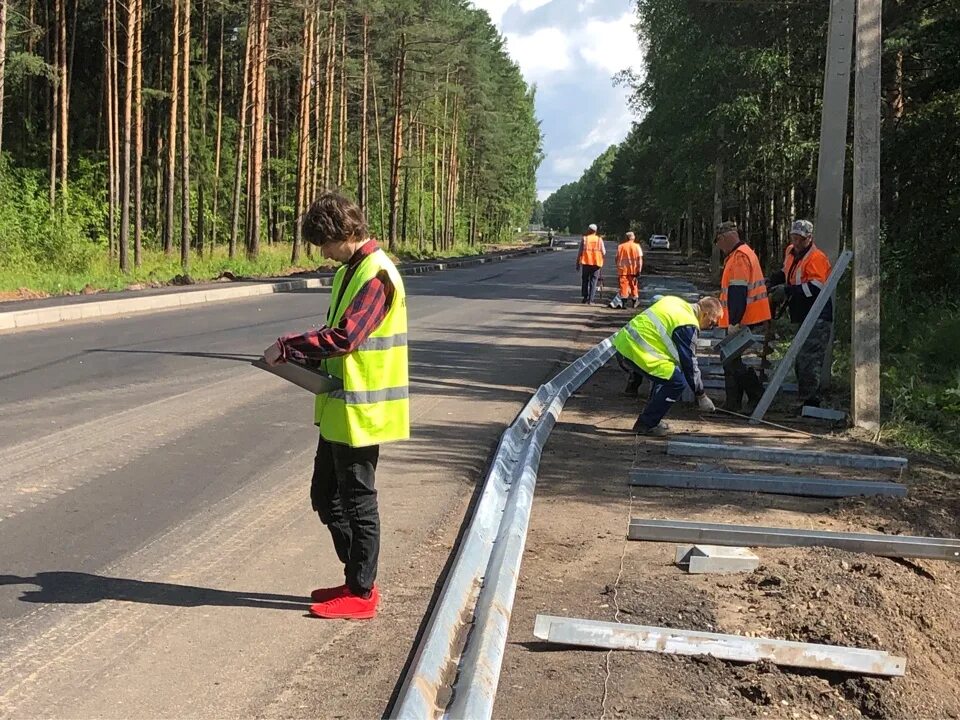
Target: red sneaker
(348, 606)
(329, 593)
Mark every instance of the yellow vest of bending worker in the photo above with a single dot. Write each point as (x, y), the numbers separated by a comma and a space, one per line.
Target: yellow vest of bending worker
(647, 340)
(374, 406)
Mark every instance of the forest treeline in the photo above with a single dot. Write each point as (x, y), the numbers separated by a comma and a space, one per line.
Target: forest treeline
(730, 107)
(730, 119)
(188, 125)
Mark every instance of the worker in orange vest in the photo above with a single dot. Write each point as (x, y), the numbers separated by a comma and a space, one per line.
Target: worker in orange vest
(589, 262)
(629, 265)
(743, 295)
(805, 272)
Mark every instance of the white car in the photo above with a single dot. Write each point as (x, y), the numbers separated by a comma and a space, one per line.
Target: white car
(659, 242)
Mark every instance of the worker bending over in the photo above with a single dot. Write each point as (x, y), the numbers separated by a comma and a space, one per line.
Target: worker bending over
(589, 262)
(805, 272)
(629, 265)
(661, 343)
(743, 295)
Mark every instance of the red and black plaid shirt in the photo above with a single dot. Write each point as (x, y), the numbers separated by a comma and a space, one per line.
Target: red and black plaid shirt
(361, 318)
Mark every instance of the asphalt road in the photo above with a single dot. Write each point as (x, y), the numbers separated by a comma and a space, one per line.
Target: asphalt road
(157, 545)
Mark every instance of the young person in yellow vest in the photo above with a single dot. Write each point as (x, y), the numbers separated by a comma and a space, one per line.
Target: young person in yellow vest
(364, 344)
(589, 263)
(743, 295)
(661, 344)
(629, 265)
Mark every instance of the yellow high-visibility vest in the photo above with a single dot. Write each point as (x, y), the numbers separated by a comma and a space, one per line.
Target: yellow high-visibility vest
(374, 405)
(647, 340)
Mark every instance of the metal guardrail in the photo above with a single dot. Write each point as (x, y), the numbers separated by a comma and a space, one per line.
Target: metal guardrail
(457, 665)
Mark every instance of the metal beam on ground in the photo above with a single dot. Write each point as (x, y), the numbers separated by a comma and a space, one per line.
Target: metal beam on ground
(772, 484)
(785, 456)
(801, 337)
(823, 413)
(673, 641)
(903, 546)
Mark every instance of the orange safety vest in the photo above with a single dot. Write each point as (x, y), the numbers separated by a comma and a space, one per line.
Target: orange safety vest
(592, 253)
(743, 268)
(812, 268)
(629, 258)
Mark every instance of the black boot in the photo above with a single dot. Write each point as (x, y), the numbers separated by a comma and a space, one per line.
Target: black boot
(733, 401)
(752, 386)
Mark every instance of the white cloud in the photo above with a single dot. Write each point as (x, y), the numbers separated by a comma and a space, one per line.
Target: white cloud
(570, 165)
(531, 5)
(495, 8)
(612, 45)
(609, 129)
(541, 53)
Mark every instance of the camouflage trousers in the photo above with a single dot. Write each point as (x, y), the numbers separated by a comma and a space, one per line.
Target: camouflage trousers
(810, 360)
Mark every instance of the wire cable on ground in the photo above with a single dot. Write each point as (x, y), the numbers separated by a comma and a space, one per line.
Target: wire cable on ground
(771, 424)
(616, 586)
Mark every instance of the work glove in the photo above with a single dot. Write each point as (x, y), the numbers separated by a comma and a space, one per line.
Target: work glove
(733, 329)
(778, 294)
(706, 404)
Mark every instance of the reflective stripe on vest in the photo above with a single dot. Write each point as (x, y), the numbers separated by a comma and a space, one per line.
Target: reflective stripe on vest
(758, 307)
(629, 259)
(647, 340)
(373, 407)
(591, 254)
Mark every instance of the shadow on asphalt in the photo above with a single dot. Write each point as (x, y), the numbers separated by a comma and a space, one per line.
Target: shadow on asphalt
(65, 587)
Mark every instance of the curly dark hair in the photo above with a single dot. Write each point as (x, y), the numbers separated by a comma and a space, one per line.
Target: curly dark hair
(333, 217)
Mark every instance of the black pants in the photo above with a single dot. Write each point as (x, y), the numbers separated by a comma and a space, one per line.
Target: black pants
(342, 493)
(589, 275)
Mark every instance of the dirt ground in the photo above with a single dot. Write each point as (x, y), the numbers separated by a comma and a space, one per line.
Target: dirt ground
(578, 563)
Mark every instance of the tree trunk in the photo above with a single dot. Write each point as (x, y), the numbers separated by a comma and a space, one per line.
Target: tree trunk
(64, 99)
(215, 214)
(111, 118)
(376, 129)
(397, 147)
(303, 130)
(3, 60)
(138, 137)
(421, 153)
(342, 129)
(242, 129)
(259, 114)
(363, 195)
(172, 130)
(406, 182)
(127, 137)
(329, 85)
(54, 123)
(185, 143)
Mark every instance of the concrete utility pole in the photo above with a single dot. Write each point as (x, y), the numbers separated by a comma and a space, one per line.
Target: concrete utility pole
(833, 128)
(866, 219)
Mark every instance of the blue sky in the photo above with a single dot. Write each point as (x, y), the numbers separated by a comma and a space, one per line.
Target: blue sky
(571, 49)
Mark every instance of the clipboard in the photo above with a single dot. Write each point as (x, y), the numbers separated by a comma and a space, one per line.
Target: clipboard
(317, 382)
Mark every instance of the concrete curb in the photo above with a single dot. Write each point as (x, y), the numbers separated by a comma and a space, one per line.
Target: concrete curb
(37, 317)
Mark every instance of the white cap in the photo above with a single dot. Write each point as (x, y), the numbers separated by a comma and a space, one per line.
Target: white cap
(803, 228)
(592, 227)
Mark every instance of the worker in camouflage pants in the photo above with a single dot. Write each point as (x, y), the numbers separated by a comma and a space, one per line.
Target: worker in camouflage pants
(803, 277)
(810, 362)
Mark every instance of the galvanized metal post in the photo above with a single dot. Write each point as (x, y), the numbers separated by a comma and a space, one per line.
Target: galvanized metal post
(866, 219)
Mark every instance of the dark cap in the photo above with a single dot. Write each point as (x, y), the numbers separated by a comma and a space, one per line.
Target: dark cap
(726, 226)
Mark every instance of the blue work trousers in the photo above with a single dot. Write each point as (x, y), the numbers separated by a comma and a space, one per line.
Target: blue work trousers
(589, 275)
(663, 393)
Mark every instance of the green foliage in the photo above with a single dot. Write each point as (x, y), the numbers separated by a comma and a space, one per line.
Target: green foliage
(737, 85)
(464, 108)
